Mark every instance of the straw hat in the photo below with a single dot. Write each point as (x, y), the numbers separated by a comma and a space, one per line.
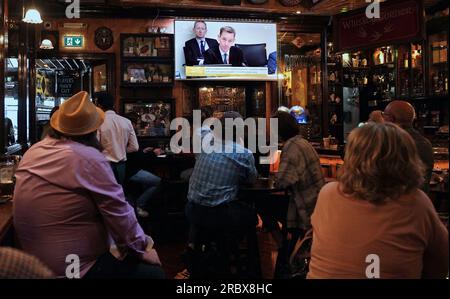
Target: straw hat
(77, 116)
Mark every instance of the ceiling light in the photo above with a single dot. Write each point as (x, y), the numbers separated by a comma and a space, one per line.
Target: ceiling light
(32, 16)
(46, 44)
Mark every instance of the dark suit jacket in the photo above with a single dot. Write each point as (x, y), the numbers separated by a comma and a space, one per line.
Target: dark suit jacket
(192, 50)
(212, 56)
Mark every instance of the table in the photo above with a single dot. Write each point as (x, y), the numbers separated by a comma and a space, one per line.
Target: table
(261, 185)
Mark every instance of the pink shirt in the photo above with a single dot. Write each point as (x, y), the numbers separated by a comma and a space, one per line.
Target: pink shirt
(406, 234)
(67, 201)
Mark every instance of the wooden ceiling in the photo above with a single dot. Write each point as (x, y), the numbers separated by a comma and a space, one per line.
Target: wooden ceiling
(270, 9)
(324, 7)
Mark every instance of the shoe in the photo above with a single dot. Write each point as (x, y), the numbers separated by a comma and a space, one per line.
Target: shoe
(142, 213)
(183, 274)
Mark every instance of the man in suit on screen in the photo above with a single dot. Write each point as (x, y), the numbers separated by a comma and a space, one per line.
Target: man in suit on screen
(225, 52)
(195, 48)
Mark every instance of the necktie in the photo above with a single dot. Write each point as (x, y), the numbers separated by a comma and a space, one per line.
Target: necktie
(225, 58)
(202, 47)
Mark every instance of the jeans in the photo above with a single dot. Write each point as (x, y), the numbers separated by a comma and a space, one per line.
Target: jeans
(107, 266)
(147, 185)
(119, 171)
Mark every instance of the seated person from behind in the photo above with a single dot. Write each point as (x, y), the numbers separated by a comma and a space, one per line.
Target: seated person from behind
(214, 185)
(225, 52)
(377, 208)
(196, 47)
(67, 201)
(145, 184)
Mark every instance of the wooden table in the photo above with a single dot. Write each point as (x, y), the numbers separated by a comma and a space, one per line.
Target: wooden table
(6, 219)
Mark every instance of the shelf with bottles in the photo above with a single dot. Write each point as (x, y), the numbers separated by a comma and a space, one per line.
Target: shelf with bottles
(146, 74)
(147, 45)
(438, 64)
(410, 71)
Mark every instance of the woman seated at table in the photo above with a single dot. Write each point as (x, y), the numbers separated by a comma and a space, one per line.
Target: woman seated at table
(375, 222)
(68, 205)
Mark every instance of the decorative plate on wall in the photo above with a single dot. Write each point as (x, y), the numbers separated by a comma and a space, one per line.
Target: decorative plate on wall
(290, 2)
(103, 38)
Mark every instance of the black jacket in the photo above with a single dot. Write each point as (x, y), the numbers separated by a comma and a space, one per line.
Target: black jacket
(192, 50)
(213, 56)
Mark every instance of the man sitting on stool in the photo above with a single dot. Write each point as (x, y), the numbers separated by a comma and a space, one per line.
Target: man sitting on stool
(213, 188)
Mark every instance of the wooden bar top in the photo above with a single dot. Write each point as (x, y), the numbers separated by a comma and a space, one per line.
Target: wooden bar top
(6, 218)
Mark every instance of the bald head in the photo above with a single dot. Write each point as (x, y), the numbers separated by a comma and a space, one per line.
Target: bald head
(400, 112)
(376, 116)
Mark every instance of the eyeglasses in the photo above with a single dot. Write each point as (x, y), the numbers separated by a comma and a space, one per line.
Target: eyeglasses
(385, 115)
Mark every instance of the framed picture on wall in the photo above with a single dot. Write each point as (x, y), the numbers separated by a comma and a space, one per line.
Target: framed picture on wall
(152, 116)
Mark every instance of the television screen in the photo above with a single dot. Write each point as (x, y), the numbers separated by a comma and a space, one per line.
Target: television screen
(225, 50)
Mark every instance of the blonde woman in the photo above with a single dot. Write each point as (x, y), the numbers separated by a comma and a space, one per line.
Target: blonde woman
(375, 222)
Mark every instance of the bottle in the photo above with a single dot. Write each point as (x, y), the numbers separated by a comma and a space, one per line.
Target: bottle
(406, 60)
(390, 57)
(381, 57)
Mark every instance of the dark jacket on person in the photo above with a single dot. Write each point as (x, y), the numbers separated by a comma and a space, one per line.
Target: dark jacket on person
(425, 151)
(213, 56)
(9, 132)
(192, 50)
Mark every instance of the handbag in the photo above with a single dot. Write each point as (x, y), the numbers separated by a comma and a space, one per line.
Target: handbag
(301, 256)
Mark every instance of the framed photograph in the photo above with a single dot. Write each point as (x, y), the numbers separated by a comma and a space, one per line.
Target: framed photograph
(152, 116)
(146, 74)
(137, 75)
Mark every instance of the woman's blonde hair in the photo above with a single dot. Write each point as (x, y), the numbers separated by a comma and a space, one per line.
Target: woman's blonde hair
(381, 162)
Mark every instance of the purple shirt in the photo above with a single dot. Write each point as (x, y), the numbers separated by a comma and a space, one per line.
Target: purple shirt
(67, 201)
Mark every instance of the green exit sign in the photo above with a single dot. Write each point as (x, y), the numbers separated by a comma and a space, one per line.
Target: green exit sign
(73, 41)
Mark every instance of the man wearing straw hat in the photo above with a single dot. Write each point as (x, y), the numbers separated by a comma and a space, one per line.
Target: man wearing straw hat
(68, 206)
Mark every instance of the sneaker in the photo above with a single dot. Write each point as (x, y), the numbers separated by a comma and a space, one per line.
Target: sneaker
(142, 213)
(183, 274)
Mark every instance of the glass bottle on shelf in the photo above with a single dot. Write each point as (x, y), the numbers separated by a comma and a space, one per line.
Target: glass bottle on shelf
(406, 60)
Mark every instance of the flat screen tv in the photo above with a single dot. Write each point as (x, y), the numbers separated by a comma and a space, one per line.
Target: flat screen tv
(225, 50)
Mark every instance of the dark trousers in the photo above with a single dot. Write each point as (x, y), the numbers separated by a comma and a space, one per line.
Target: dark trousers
(108, 267)
(234, 217)
(119, 171)
(224, 226)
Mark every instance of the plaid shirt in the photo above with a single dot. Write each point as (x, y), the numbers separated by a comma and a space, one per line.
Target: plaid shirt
(217, 176)
(301, 174)
(16, 264)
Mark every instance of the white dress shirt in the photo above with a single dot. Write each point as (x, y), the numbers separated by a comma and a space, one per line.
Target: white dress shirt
(204, 43)
(117, 137)
(228, 55)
